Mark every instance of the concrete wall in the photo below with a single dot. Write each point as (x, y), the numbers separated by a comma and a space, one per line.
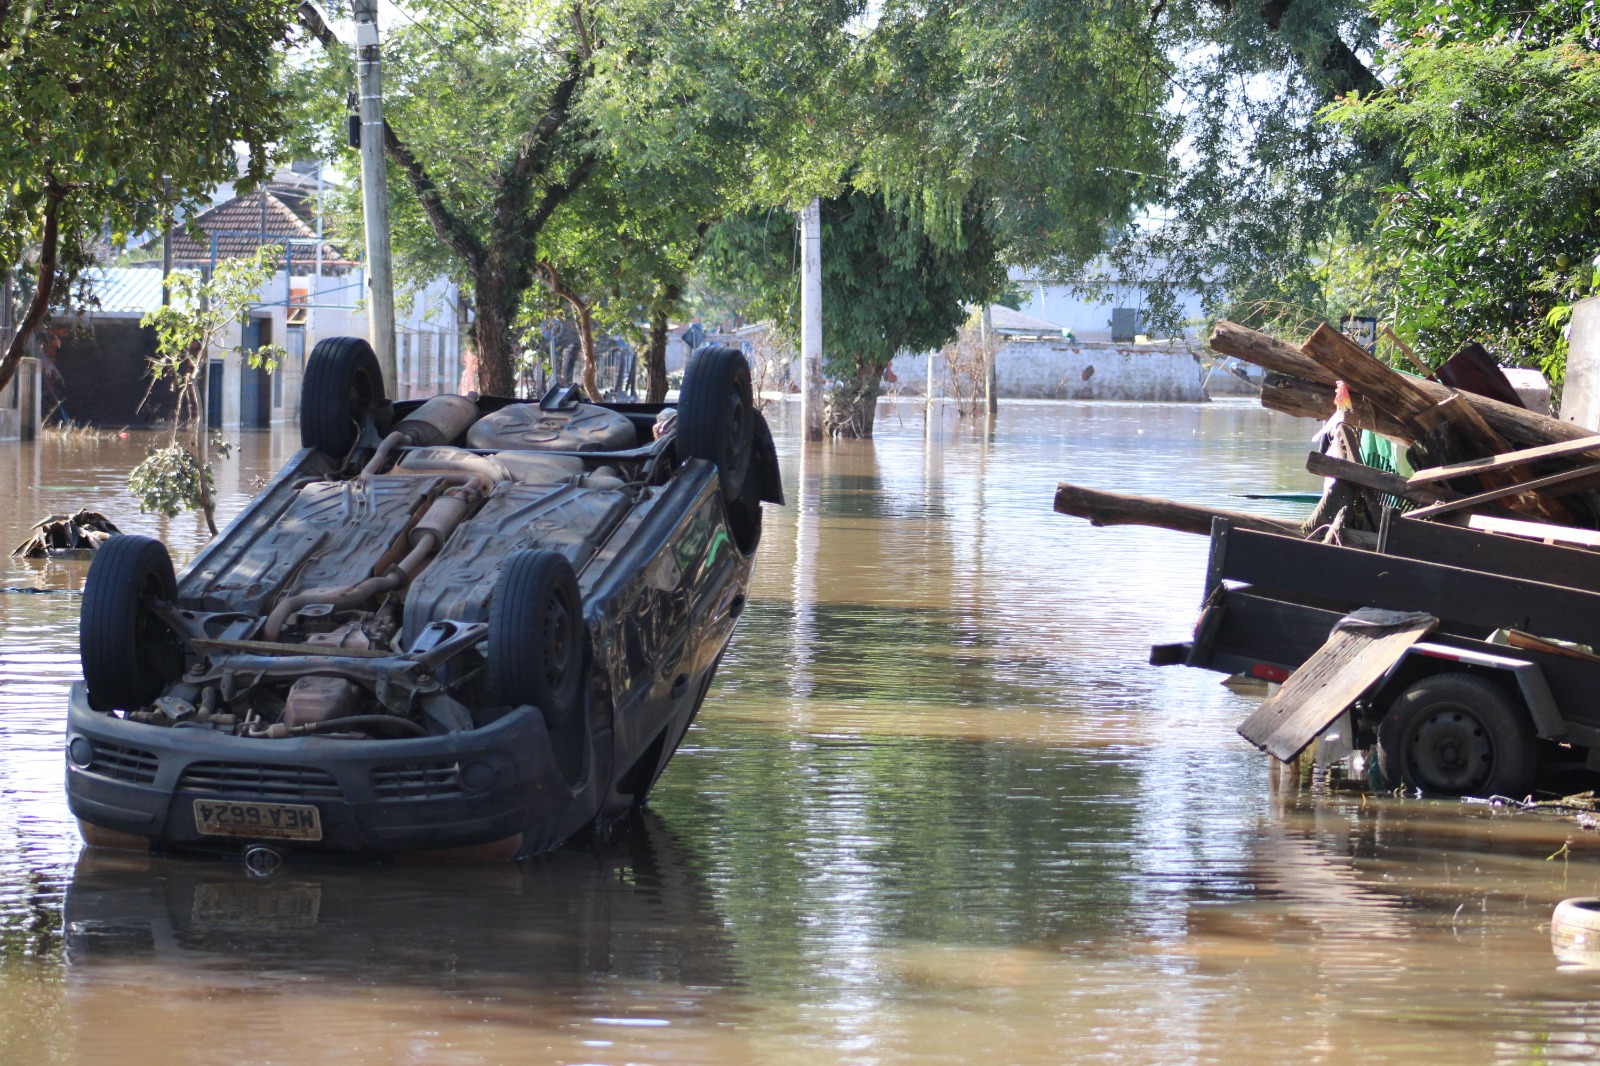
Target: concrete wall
(19, 403)
(1580, 397)
(104, 365)
(1068, 370)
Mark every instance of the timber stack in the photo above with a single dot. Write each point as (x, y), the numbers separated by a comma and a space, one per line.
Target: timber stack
(1478, 457)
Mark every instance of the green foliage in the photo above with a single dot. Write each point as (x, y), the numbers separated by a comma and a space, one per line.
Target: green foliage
(121, 111)
(170, 481)
(188, 329)
(1497, 227)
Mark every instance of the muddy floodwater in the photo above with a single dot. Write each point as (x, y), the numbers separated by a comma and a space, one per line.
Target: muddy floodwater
(936, 809)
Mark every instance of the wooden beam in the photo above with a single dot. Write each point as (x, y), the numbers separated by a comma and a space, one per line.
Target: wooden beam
(1267, 352)
(1422, 368)
(1378, 480)
(1565, 449)
(1477, 437)
(1117, 509)
(1514, 489)
(1383, 385)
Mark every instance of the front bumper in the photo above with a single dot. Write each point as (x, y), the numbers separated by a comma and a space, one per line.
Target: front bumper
(374, 797)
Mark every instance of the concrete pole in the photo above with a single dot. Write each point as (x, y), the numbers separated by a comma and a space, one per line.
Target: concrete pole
(811, 319)
(991, 390)
(375, 192)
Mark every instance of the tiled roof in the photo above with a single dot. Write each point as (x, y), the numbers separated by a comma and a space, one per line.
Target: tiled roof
(269, 215)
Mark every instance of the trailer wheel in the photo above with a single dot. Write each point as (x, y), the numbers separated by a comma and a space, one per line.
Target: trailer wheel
(535, 652)
(1457, 734)
(129, 654)
(717, 415)
(342, 382)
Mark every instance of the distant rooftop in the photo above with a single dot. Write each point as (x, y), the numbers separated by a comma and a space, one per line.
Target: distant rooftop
(273, 214)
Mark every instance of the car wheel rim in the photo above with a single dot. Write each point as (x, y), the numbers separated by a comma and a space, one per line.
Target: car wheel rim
(1450, 751)
(558, 643)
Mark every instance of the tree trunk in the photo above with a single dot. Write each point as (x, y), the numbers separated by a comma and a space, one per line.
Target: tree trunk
(49, 241)
(655, 356)
(850, 411)
(494, 342)
(591, 388)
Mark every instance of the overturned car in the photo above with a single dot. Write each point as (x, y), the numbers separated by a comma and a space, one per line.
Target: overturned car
(462, 627)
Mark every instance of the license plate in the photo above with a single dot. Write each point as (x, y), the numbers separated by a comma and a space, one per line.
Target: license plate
(248, 906)
(257, 821)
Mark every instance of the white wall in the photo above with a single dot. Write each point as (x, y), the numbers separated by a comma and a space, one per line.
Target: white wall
(1054, 301)
(1065, 370)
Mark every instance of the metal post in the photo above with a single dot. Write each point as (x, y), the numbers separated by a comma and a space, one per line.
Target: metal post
(991, 391)
(375, 191)
(166, 247)
(811, 319)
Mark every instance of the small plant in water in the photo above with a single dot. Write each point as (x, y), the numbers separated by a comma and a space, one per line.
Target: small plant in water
(178, 477)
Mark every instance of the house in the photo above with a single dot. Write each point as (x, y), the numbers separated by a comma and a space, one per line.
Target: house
(318, 291)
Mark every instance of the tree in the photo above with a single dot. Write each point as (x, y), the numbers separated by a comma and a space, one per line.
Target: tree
(507, 111)
(118, 114)
(888, 286)
(178, 477)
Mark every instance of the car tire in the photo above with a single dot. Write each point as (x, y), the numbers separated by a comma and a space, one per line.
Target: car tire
(536, 636)
(129, 654)
(717, 415)
(342, 381)
(1457, 734)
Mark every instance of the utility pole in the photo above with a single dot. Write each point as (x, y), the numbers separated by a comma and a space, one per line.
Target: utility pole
(991, 390)
(375, 192)
(811, 319)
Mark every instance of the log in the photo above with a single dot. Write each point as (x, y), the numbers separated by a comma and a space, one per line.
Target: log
(1309, 399)
(1519, 427)
(1269, 353)
(1377, 480)
(1117, 509)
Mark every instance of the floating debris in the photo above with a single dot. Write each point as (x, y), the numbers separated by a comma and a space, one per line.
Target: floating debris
(67, 537)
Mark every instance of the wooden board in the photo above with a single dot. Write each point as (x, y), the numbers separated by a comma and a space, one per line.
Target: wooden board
(1379, 480)
(1559, 450)
(1539, 531)
(1120, 509)
(1351, 660)
(1466, 601)
(1541, 484)
(1507, 556)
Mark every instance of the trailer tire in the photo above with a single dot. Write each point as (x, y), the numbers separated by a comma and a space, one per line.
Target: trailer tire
(129, 654)
(1457, 734)
(343, 381)
(717, 415)
(536, 636)
(1575, 930)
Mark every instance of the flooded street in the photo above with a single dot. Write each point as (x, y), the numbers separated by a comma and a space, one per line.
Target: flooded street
(935, 809)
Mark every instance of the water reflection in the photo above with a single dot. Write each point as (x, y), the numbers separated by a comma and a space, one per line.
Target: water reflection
(936, 809)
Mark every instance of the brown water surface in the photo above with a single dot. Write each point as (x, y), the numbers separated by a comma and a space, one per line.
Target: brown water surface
(936, 809)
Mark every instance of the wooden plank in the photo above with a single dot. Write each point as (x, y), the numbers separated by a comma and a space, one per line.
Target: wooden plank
(1539, 531)
(1466, 601)
(1422, 368)
(1560, 450)
(1391, 390)
(1378, 480)
(1516, 488)
(1471, 549)
(1480, 439)
(1352, 659)
(1118, 509)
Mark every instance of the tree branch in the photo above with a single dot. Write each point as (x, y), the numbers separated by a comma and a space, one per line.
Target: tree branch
(556, 195)
(49, 243)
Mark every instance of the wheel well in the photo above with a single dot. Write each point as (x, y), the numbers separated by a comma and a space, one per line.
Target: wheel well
(1416, 667)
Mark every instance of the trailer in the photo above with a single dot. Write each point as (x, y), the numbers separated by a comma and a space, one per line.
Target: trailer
(1495, 691)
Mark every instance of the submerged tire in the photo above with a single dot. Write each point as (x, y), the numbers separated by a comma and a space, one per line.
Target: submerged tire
(536, 635)
(716, 415)
(342, 381)
(1457, 734)
(129, 654)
